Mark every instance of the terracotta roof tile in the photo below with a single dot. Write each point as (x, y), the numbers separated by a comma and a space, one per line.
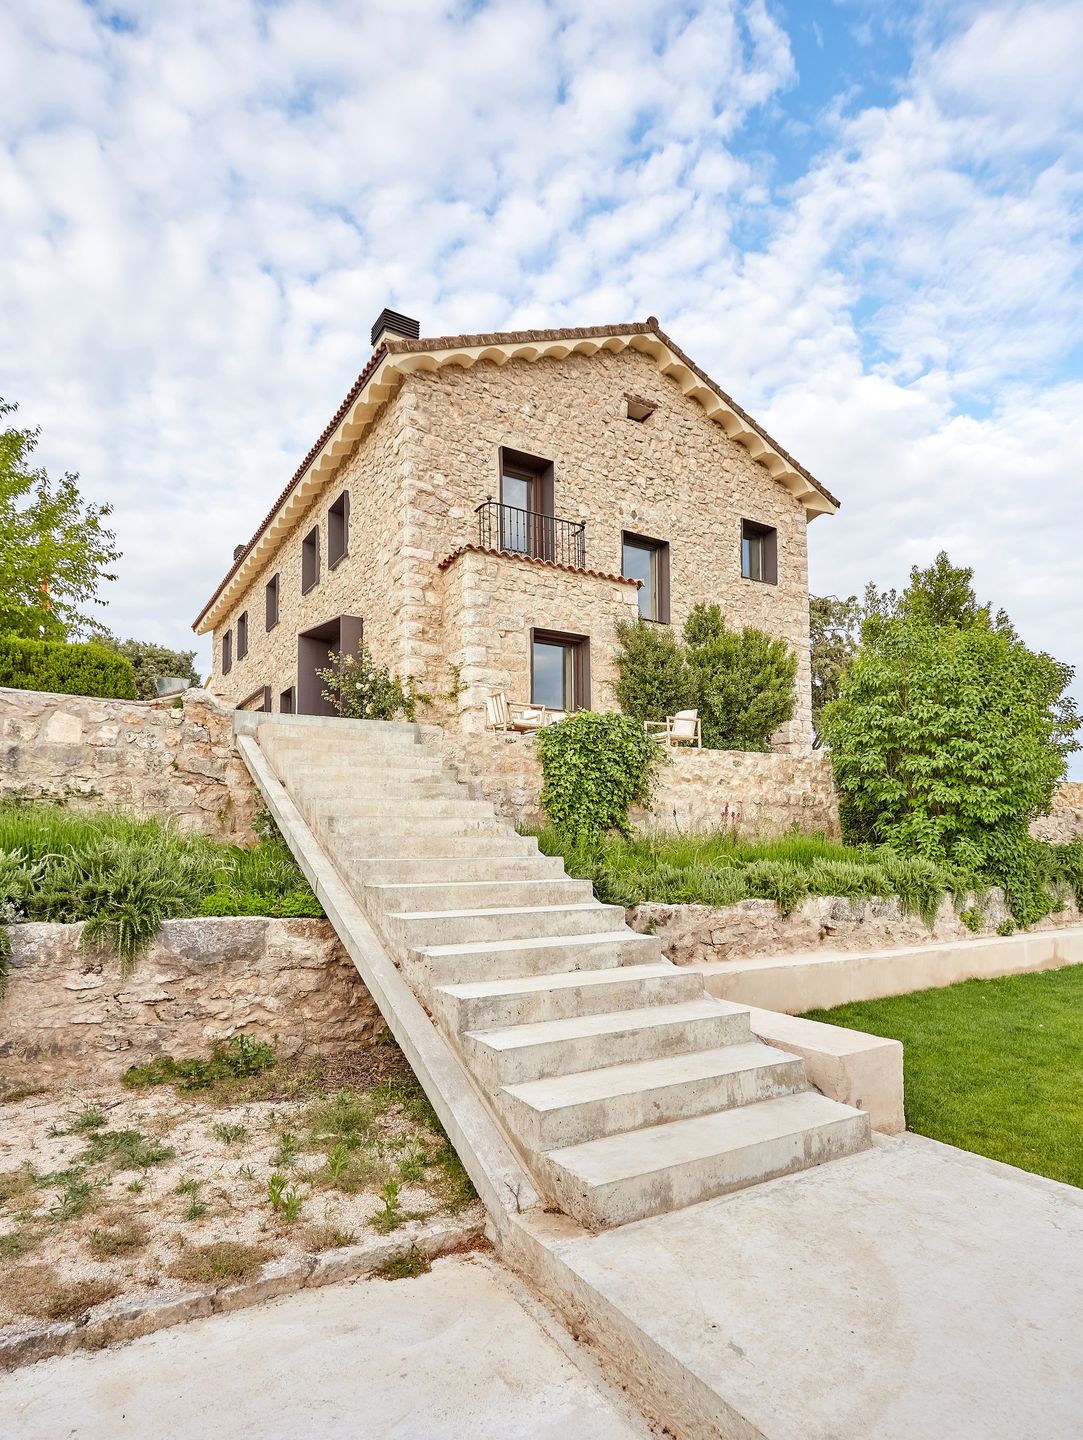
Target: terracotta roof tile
(534, 560)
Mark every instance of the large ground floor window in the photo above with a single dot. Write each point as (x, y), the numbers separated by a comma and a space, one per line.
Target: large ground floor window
(559, 670)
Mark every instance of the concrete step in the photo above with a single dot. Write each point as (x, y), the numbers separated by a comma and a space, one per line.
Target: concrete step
(544, 955)
(413, 929)
(339, 739)
(495, 1004)
(352, 849)
(434, 869)
(625, 1177)
(418, 809)
(395, 833)
(571, 1109)
(481, 894)
(392, 769)
(376, 784)
(590, 1042)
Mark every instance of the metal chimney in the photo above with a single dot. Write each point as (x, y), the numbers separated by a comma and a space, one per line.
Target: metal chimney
(390, 322)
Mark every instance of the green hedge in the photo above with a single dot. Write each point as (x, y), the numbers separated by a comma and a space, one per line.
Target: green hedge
(64, 669)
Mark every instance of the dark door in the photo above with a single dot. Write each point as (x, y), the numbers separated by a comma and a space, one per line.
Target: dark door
(315, 651)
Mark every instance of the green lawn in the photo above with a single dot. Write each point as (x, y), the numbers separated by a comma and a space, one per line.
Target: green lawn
(994, 1066)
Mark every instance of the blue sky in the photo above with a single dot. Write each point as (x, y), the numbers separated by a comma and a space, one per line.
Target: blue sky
(862, 218)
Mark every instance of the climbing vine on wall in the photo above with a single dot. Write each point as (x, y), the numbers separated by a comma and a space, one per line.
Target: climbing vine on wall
(594, 768)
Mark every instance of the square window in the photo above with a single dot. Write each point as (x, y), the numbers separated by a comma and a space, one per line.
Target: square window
(227, 652)
(272, 602)
(242, 635)
(559, 670)
(338, 530)
(759, 552)
(310, 560)
(648, 561)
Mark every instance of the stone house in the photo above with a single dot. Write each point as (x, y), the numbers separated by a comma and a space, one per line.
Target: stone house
(484, 508)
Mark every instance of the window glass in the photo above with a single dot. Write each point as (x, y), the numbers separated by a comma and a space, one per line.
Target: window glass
(552, 675)
(752, 556)
(640, 562)
(517, 498)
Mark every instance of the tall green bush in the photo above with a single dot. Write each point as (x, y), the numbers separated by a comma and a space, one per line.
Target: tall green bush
(744, 681)
(360, 689)
(65, 669)
(594, 768)
(653, 676)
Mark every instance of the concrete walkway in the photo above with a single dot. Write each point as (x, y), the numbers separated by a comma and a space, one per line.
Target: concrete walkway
(908, 1292)
(461, 1351)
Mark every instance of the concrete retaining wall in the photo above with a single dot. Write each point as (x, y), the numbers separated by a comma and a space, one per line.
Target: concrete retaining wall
(68, 1011)
(146, 756)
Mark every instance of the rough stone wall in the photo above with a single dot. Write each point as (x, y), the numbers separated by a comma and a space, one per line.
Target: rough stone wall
(692, 934)
(69, 1011)
(149, 757)
(1065, 822)
(432, 457)
(370, 581)
(491, 603)
(695, 791)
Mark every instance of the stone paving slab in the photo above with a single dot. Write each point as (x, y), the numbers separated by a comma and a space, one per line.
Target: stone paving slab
(461, 1351)
(908, 1292)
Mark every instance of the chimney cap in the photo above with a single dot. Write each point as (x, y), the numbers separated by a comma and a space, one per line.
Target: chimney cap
(238, 551)
(390, 322)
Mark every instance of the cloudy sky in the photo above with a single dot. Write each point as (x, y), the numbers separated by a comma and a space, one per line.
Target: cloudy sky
(863, 218)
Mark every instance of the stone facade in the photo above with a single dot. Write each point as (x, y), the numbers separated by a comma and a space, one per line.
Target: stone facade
(768, 794)
(692, 934)
(67, 1011)
(432, 456)
(1065, 821)
(149, 757)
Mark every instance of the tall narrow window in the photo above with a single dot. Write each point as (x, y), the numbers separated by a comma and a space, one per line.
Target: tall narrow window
(272, 602)
(310, 560)
(227, 652)
(647, 560)
(285, 702)
(338, 530)
(242, 635)
(559, 670)
(527, 526)
(759, 552)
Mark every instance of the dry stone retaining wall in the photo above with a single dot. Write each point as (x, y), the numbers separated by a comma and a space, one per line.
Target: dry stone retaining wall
(68, 1012)
(149, 757)
(1065, 822)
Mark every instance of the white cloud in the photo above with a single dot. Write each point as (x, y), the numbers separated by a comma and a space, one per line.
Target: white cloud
(203, 214)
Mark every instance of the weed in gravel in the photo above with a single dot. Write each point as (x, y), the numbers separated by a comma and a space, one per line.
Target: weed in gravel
(73, 1200)
(122, 1236)
(222, 1262)
(285, 1201)
(286, 1154)
(390, 1217)
(405, 1267)
(326, 1236)
(88, 1119)
(230, 1134)
(124, 1150)
(194, 1210)
(38, 1291)
(238, 1058)
(16, 1184)
(17, 1243)
(136, 1187)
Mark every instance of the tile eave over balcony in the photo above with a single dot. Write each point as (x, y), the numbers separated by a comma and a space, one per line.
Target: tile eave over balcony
(517, 558)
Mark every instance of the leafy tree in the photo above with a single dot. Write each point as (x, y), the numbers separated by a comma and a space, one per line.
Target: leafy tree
(834, 633)
(653, 676)
(54, 548)
(744, 681)
(151, 662)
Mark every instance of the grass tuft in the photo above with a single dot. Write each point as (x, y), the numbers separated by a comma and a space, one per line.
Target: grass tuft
(222, 1262)
(405, 1267)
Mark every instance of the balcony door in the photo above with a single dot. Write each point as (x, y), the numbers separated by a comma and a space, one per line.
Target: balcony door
(526, 505)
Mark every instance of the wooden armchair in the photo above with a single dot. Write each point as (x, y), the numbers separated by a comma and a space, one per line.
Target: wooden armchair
(505, 714)
(684, 728)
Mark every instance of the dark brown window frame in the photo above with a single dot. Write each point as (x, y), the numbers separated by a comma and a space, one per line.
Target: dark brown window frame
(271, 601)
(287, 701)
(338, 530)
(528, 467)
(661, 550)
(580, 645)
(262, 693)
(755, 530)
(242, 634)
(310, 560)
(227, 652)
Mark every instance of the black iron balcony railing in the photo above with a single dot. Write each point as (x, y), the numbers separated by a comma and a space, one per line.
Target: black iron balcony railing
(526, 532)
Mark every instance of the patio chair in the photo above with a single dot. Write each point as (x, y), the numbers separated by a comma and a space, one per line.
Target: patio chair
(675, 730)
(505, 714)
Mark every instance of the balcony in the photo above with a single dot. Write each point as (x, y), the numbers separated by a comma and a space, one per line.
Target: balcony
(526, 532)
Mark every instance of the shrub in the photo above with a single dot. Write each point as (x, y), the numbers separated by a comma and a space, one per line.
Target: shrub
(65, 669)
(359, 689)
(744, 681)
(653, 675)
(151, 662)
(594, 768)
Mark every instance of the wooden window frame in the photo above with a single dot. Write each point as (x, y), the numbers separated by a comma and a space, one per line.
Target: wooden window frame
(287, 701)
(338, 530)
(310, 560)
(227, 652)
(660, 549)
(242, 634)
(768, 535)
(271, 601)
(580, 673)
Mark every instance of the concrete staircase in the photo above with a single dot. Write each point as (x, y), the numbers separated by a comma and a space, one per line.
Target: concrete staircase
(626, 1089)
